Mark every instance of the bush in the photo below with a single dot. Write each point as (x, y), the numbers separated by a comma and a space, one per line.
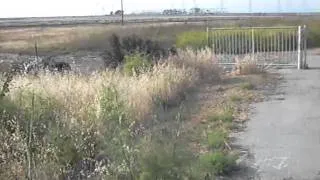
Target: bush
(216, 139)
(165, 161)
(235, 98)
(131, 45)
(114, 56)
(247, 86)
(247, 66)
(313, 35)
(218, 163)
(136, 64)
(201, 60)
(152, 49)
(226, 115)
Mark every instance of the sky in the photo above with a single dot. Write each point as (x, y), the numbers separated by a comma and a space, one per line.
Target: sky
(43, 8)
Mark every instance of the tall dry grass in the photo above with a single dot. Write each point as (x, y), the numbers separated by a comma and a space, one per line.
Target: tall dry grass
(77, 94)
(247, 65)
(203, 61)
(60, 120)
(85, 37)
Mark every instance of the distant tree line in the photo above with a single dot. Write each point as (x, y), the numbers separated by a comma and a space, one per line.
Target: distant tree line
(191, 11)
(117, 12)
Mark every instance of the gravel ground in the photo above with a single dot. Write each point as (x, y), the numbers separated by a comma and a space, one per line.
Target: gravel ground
(81, 61)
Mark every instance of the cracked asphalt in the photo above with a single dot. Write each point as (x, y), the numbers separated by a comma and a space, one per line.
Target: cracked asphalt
(282, 137)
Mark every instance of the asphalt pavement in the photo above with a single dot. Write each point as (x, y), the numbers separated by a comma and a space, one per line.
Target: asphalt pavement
(282, 137)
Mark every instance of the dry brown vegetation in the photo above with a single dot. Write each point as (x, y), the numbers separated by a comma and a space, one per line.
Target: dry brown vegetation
(70, 118)
(91, 37)
(52, 124)
(94, 37)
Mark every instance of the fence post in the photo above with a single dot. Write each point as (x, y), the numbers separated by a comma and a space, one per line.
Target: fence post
(208, 36)
(252, 43)
(299, 47)
(305, 38)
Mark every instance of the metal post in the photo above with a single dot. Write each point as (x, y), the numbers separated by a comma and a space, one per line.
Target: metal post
(305, 37)
(207, 36)
(299, 47)
(252, 42)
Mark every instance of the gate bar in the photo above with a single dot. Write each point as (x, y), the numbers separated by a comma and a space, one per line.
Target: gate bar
(299, 47)
(258, 27)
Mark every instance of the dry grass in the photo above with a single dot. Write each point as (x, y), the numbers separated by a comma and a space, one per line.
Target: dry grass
(85, 36)
(78, 100)
(93, 37)
(203, 61)
(247, 66)
(78, 94)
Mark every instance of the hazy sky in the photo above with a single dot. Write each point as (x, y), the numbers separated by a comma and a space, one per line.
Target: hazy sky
(27, 8)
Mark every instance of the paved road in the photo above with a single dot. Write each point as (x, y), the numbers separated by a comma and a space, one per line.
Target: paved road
(283, 135)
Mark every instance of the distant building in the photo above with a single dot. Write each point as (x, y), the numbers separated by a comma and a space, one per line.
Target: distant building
(174, 12)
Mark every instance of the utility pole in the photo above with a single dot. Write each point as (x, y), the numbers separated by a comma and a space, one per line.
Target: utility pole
(122, 13)
(221, 6)
(250, 7)
(279, 6)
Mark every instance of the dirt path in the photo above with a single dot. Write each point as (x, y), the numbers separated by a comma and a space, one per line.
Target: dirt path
(283, 134)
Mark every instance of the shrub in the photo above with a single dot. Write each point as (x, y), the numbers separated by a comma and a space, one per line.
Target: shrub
(313, 35)
(152, 49)
(201, 60)
(225, 115)
(247, 66)
(136, 64)
(216, 139)
(131, 45)
(164, 154)
(5, 80)
(235, 98)
(114, 56)
(247, 86)
(218, 163)
(165, 161)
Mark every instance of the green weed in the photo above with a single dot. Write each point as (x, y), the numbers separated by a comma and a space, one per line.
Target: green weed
(218, 163)
(216, 139)
(235, 98)
(247, 86)
(226, 115)
(136, 64)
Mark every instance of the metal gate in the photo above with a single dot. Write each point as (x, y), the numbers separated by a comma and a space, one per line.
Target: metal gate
(268, 46)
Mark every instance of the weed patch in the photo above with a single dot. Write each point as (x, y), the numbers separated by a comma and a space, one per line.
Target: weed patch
(136, 64)
(247, 86)
(224, 115)
(217, 139)
(218, 163)
(235, 98)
